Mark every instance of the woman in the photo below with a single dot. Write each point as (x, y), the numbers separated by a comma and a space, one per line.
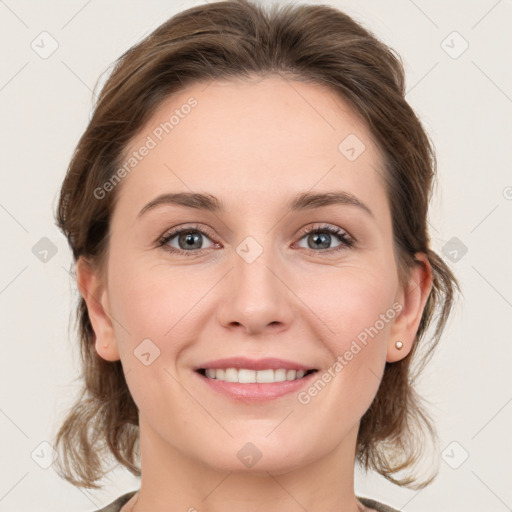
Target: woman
(247, 211)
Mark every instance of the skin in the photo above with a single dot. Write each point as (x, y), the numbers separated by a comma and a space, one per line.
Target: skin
(253, 144)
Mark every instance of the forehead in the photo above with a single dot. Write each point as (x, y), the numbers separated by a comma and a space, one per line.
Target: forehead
(259, 136)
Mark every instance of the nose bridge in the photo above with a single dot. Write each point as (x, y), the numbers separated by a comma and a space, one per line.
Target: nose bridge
(255, 295)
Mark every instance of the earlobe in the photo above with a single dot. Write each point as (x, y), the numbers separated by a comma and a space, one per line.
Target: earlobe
(413, 300)
(397, 350)
(94, 292)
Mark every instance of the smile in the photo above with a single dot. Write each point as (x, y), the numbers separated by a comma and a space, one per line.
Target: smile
(254, 386)
(248, 376)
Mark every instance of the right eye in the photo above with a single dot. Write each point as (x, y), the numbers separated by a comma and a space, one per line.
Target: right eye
(188, 240)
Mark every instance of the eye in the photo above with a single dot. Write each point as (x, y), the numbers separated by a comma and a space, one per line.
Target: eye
(321, 237)
(187, 240)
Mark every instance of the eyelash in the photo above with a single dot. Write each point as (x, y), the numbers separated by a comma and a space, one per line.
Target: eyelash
(346, 241)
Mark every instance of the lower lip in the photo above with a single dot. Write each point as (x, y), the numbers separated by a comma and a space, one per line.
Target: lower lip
(256, 392)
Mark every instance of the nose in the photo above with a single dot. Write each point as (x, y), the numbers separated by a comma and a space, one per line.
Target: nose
(256, 296)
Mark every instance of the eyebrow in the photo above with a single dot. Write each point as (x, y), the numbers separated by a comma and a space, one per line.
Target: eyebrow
(302, 201)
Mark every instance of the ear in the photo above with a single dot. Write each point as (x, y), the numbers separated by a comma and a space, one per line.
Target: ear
(94, 292)
(413, 299)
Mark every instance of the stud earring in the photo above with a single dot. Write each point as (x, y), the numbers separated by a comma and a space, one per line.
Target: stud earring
(399, 345)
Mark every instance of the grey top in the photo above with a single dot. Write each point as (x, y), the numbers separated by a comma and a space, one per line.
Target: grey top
(116, 505)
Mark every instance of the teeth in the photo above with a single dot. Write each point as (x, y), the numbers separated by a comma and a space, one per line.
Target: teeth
(279, 375)
(245, 376)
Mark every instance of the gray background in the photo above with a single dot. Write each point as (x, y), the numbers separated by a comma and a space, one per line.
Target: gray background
(463, 97)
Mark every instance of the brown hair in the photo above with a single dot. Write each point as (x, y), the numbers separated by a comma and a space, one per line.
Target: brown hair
(236, 39)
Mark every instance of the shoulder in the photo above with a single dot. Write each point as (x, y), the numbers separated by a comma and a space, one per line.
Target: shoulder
(116, 505)
(376, 505)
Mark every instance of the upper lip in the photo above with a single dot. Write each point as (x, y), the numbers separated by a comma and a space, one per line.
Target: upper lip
(254, 364)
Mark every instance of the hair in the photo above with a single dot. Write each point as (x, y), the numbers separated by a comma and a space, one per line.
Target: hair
(238, 39)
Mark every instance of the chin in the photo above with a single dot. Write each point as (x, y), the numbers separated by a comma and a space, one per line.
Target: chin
(259, 456)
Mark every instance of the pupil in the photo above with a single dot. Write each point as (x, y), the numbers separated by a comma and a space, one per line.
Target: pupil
(318, 237)
(191, 238)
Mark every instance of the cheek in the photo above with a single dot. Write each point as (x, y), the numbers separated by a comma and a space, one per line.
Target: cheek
(150, 301)
(353, 298)
(151, 328)
(360, 311)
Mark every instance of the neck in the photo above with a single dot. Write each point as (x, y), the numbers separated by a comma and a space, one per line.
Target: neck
(170, 478)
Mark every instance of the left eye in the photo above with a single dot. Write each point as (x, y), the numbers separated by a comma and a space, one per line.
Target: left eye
(321, 238)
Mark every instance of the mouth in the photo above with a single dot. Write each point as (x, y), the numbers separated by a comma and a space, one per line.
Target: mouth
(249, 385)
(249, 376)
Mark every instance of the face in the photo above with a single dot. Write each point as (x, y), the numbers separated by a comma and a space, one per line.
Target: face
(269, 274)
